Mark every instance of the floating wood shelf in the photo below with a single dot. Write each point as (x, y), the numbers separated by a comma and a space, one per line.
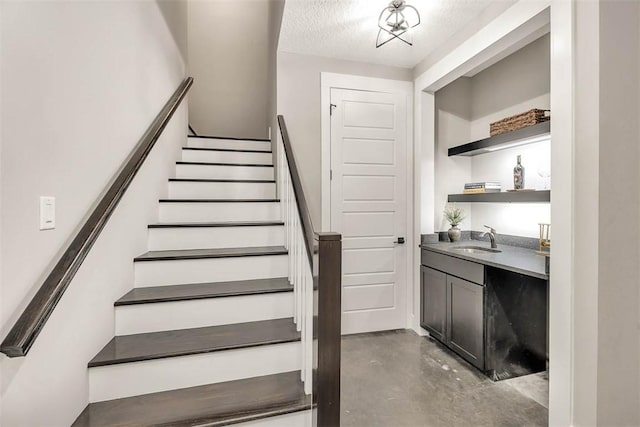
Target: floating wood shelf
(527, 135)
(543, 196)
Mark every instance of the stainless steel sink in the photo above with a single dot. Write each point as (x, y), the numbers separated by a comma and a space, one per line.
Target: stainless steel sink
(475, 249)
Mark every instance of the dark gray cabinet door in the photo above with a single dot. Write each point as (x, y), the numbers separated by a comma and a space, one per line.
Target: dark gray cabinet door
(433, 304)
(465, 326)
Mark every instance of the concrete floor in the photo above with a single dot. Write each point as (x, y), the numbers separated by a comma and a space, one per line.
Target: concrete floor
(398, 379)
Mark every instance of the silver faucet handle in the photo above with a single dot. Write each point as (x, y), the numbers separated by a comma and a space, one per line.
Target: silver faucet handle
(491, 229)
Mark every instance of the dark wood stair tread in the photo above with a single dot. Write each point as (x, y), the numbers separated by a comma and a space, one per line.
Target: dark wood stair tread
(237, 150)
(219, 200)
(212, 405)
(193, 291)
(183, 342)
(225, 164)
(216, 224)
(174, 255)
(249, 181)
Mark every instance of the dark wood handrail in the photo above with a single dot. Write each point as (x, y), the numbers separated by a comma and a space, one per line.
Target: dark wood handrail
(32, 320)
(325, 257)
(303, 208)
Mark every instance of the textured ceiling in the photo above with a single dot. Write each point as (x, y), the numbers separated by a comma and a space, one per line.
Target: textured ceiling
(347, 29)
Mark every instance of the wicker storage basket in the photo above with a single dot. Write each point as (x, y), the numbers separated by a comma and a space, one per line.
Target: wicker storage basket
(518, 121)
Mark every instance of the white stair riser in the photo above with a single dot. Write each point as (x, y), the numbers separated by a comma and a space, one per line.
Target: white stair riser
(295, 419)
(168, 316)
(228, 144)
(131, 379)
(174, 238)
(224, 172)
(176, 272)
(222, 190)
(214, 212)
(237, 157)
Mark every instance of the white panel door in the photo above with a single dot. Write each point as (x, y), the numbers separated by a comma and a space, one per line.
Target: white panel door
(368, 206)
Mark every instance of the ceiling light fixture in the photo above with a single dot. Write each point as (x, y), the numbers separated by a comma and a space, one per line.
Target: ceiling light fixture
(396, 21)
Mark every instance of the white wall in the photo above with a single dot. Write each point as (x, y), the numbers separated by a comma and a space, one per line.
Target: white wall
(485, 17)
(453, 114)
(1, 209)
(606, 366)
(585, 240)
(229, 53)
(175, 14)
(519, 219)
(516, 84)
(464, 110)
(81, 82)
(299, 103)
(619, 209)
(275, 21)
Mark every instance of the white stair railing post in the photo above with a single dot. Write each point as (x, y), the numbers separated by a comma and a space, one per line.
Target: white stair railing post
(308, 342)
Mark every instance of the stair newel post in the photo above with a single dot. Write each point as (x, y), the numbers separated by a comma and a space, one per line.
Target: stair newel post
(328, 296)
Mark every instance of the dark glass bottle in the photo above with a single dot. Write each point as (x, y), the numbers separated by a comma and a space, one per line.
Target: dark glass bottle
(518, 176)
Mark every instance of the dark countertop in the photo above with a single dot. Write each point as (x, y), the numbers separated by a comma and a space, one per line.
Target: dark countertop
(512, 258)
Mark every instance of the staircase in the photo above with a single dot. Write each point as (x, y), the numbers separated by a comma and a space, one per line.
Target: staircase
(207, 335)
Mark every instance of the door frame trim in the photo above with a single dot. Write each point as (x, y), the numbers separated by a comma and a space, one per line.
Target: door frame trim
(370, 84)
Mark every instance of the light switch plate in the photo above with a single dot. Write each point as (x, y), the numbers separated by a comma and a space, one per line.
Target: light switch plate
(47, 213)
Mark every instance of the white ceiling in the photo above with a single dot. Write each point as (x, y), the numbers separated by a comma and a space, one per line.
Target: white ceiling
(347, 29)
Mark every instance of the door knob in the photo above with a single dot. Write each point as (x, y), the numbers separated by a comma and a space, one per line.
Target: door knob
(400, 241)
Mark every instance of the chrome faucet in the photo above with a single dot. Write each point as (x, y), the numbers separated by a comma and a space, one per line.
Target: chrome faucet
(492, 236)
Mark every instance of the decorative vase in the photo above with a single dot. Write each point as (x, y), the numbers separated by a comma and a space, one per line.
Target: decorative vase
(518, 175)
(454, 233)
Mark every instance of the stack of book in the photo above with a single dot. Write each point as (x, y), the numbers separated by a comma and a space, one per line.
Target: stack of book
(482, 187)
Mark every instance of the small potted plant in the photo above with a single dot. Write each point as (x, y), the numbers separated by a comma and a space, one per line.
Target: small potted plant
(454, 216)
